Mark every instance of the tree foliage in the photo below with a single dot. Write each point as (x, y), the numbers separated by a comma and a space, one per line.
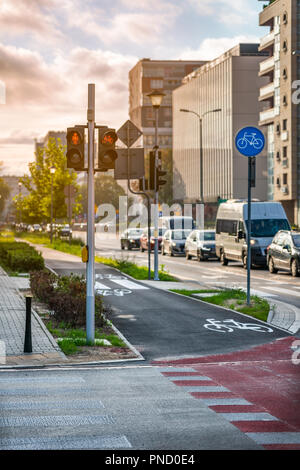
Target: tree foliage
(36, 206)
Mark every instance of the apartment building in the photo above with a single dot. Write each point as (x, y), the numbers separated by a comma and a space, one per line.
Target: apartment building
(148, 75)
(222, 97)
(281, 118)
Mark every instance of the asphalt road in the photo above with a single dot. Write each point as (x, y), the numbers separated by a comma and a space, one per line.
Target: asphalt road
(281, 286)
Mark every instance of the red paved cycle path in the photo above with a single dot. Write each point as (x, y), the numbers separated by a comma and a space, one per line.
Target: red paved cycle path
(267, 376)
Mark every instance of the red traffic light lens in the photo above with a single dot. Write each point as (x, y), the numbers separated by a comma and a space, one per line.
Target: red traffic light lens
(74, 138)
(109, 138)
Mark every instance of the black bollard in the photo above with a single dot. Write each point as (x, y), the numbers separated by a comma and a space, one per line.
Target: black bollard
(28, 339)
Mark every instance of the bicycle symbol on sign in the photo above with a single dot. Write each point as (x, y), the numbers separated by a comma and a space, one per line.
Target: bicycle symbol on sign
(250, 139)
(228, 326)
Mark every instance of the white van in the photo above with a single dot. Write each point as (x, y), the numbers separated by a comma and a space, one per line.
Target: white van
(267, 218)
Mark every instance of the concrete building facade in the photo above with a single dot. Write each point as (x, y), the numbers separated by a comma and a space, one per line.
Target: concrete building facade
(281, 117)
(231, 85)
(148, 75)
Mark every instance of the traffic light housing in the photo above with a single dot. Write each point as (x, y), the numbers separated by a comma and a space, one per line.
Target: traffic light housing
(75, 148)
(159, 175)
(107, 153)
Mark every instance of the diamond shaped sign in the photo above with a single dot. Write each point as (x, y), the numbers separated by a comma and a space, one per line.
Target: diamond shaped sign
(129, 133)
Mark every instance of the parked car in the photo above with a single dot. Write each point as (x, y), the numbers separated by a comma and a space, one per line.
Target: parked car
(201, 243)
(35, 228)
(65, 231)
(144, 239)
(267, 218)
(131, 238)
(284, 252)
(173, 242)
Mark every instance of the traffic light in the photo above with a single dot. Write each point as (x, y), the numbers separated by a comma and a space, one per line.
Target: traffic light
(160, 174)
(107, 153)
(75, 148)
(152, 171)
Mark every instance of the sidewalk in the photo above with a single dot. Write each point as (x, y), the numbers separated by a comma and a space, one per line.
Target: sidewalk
(12, 328)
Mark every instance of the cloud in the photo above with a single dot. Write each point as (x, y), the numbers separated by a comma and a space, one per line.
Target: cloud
(29, 17)
(211, 48)
(225, 11)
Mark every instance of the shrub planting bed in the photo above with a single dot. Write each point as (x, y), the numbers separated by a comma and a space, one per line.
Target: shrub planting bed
(20, 257)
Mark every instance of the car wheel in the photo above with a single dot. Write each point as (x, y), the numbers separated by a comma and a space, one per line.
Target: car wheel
(223, 259)
(162, 250)
(271, 266)
(244, 260)
(122, 247)
(200, 256)
(171, 252)
(142, 249)
(295, 268)
(187, 255)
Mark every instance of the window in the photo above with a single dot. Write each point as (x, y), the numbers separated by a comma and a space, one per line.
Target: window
(284, 152)
(155, 84)
(285, 18)
(284, 46)
(284, 178)
(284, 73)
(284, 100)
(268, 227)
(284, 124)
(227, 226)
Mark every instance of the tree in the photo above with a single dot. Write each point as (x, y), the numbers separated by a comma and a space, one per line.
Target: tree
(36, 207)
(107, 191)
(4, 192)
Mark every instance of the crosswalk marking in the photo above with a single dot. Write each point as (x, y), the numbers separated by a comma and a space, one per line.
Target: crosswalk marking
(284, 291)
(129, 284)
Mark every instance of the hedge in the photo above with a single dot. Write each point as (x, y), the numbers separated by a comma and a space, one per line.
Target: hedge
(20, 257)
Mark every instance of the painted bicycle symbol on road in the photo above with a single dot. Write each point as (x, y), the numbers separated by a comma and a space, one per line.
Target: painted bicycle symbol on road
(250, 139)
(228, 326)
(116, 292)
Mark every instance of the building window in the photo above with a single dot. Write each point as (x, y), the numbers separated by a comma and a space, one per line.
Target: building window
(284, 152)
(284, 73)
(285, 46)
(285, 18)
(284, 124)
(277, 128)
(284, 178)
(156, 84)
(284, 100)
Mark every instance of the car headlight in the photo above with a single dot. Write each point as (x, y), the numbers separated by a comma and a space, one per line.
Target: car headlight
(131, 241)
(253, 242)
(173, 244)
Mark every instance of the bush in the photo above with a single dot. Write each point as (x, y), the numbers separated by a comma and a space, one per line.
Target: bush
(66, 297)
(20, 257)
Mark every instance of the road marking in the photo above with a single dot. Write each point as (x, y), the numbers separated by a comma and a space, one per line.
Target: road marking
(225, 401)
(33, 421)
(203, 388)
(284, 291)
(248, 416)
(66, 443)
(275, 437)
(100, 286)
(129, 284)
(52, 405)
(46, 380)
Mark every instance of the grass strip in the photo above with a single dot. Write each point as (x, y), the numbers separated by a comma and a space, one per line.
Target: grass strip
(234, 299)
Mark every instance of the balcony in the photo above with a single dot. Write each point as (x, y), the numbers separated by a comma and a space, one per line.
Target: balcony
(266, 66)
(267, 91)
(268, 116)
(267, 40)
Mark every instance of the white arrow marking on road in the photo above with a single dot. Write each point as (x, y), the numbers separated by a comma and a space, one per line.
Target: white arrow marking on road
(129, 284)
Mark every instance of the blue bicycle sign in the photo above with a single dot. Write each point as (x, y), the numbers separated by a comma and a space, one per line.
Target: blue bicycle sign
(250, 141)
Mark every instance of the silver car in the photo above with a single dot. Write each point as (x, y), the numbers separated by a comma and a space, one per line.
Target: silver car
(201, 244)
(173, 242)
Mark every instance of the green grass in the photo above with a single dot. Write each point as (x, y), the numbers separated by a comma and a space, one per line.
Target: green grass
(234, 299)
(123, 265)
(70, 339)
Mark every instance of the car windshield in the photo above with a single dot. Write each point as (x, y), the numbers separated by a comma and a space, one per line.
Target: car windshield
(182, 223)
(296, 240)
(267, 227)
(207, 236)
(180, 234)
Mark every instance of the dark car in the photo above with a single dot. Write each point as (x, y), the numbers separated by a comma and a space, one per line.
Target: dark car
(131, 238)
(284, 252)
(173, 242)
(144, 239)
(65, 231)
(202, 244)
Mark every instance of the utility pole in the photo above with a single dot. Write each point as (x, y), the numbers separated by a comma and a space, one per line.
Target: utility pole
(90, 266)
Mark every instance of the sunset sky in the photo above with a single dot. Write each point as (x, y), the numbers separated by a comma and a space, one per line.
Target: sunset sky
(51, 49)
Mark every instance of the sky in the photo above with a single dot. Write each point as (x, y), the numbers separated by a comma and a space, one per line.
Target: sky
(51, 49)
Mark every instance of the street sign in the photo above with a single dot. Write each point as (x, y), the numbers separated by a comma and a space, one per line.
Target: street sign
(250, 141)
(129, 133)
(136, 162)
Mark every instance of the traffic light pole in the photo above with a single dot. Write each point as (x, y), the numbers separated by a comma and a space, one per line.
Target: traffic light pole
(90, 266)
(156, 276)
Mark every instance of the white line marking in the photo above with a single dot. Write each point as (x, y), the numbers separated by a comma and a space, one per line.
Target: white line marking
(129, 284)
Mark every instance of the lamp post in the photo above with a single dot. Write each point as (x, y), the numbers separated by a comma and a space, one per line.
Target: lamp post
(200, 117)
(156, 100)
(52, 171)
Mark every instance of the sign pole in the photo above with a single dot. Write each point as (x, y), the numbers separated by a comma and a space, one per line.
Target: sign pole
(90, 266)
(249, 232)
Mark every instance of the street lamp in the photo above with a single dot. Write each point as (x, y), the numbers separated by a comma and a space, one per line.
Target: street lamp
(200, 117)
(156, 100)
(52, 171)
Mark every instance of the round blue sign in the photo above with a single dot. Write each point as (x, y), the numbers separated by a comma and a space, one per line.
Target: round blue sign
(250, 141)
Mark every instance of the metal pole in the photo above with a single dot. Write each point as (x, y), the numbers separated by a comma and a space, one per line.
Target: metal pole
(249, 232)
(156, 276)
(51, 210)
(201, 160)
(90, 266)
